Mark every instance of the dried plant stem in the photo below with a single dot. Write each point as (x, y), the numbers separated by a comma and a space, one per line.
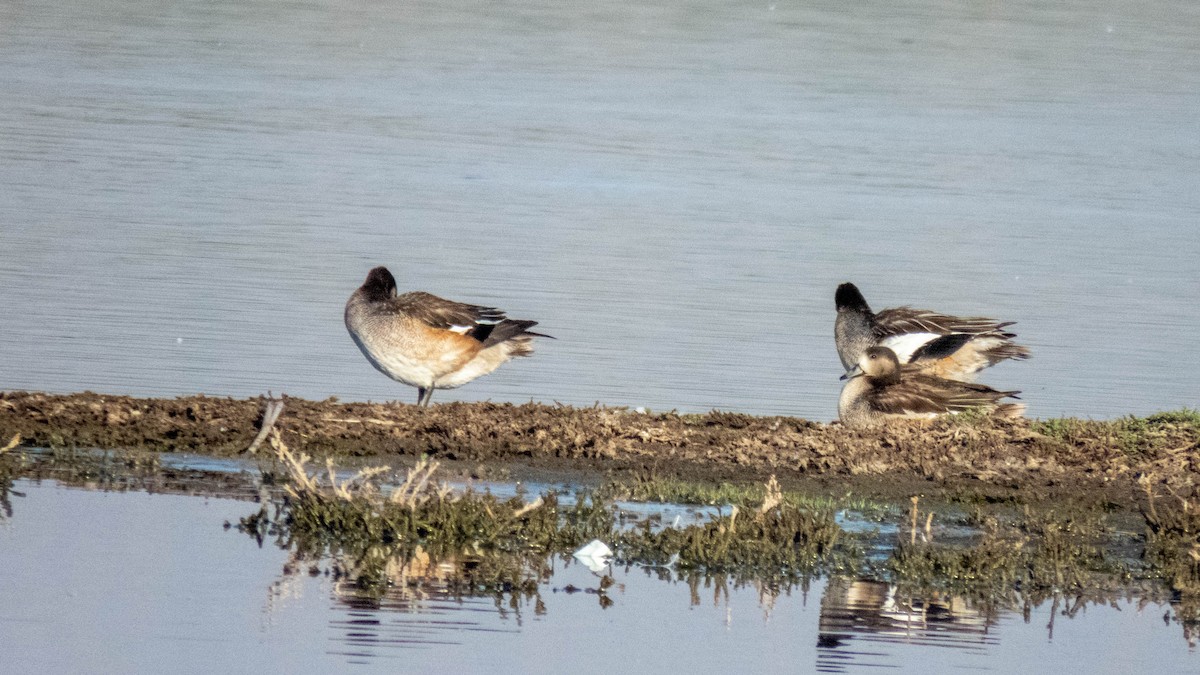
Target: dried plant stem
(270, 414)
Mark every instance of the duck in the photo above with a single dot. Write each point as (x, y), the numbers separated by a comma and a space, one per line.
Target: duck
(429, 342)
(950, 347)
(878, 387)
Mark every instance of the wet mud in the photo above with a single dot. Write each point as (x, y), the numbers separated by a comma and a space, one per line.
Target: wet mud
(967, 458)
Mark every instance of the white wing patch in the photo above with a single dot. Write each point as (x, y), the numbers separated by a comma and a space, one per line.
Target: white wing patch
(920, 415)
(904, 345)
(485, 321)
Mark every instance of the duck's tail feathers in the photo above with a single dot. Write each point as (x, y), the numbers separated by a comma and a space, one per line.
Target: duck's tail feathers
(1007, 350)
(514, 330)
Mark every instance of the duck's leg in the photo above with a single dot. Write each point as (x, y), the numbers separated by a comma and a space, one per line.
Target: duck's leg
(425, 396)
(420, 395)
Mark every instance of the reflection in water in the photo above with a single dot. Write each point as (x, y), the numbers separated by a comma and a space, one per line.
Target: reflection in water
(9, 461)
(862, 623)
(417, 600)
(116, 604)
(859, 616)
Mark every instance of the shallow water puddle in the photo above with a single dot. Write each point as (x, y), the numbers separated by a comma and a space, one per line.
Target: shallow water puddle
(134, 582)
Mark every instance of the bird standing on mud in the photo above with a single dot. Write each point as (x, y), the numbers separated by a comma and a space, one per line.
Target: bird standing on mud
(878, 387)
(428, 342)
(947, 346)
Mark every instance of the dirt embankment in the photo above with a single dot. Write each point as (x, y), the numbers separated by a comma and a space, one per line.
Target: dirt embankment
(1054, 456)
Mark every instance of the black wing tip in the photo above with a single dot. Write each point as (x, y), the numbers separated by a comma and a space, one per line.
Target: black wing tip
(848, 297)
(509, 329)
(1002, 394)
(526, 324)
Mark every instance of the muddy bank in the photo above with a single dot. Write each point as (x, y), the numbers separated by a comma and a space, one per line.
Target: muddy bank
(994, 458)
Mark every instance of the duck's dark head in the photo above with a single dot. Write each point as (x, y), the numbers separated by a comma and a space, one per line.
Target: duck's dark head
(380, 284)
(848, 299)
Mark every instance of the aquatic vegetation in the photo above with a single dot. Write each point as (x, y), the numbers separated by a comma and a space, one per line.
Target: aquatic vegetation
(1018, 561)
(422, 534)
(761, 533)
(1173, 538)
(375, 535)
(1038, 555)
(648, 486)
(506, 544)
(781, 541)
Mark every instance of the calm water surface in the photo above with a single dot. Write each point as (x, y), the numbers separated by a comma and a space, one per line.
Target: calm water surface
(134, 582)
(189, 191)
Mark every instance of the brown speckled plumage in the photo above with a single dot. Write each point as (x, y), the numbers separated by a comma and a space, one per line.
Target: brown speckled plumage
(879, 387)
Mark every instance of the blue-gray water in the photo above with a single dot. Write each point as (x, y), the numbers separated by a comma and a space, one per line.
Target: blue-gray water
(131, 582)
(189, 191)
